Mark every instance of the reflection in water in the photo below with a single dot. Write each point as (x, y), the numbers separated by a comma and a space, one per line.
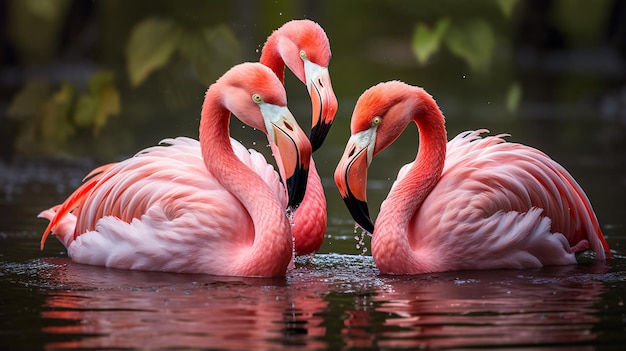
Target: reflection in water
(332, 301)
(502, 309)
(120, 309)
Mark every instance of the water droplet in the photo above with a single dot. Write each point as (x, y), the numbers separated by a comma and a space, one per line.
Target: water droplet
(290, 212)
(360, 238)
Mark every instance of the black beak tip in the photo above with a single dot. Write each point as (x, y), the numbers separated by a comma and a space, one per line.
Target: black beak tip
(296, 186)
(318, 134)
(360, 212)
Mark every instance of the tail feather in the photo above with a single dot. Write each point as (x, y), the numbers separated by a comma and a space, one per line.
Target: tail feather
(594, 224)
(73, 202)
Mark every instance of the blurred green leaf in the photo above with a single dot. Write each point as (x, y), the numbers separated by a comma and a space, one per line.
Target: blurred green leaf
(513, 97)
(54, 122)
(151, 44)
(86, 107)
(101, 101)
(109, 105)
(473, 41)
(211, 51)
(507, 6)
(427, 41)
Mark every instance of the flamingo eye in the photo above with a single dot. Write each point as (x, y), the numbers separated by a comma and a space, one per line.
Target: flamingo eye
(376, 121)
(302, 54)
(257, 98)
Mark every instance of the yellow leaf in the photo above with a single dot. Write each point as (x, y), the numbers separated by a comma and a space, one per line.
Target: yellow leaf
(98, 104)
(54, 122)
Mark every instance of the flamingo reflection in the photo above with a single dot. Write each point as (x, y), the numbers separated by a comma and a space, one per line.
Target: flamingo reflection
(109, 308)
(338, 303)
(500, 309)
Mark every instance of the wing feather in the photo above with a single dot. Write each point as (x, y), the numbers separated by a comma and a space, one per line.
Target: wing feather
(153, 195)
(513, 197)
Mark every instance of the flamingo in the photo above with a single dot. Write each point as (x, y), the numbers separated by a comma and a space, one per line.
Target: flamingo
(471, 203)
(302, 46)
(207, 206)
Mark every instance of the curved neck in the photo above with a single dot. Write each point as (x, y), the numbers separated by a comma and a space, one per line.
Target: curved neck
(408, 194)
(271, 250)
(270, 57)
(426, 170)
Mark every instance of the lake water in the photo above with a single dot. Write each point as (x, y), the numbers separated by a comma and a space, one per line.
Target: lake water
(336, 299)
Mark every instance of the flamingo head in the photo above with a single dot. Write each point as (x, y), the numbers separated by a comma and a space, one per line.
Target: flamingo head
(258, 99)
(302, 46)
(381, 114)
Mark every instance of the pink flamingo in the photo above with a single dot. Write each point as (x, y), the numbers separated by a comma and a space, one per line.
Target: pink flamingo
(473, 203)
(210, 207)
(302, 46)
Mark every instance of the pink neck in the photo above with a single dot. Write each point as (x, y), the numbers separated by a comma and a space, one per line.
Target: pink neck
(271, 58)
(271, 251)
(407, 196)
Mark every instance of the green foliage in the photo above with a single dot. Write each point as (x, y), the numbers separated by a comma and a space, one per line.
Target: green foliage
(153, 42)
(150, 46)
(211, 51)
(54, 116)
(101, 101)
(44, 116)
(513, 97)
(470, 38)
(473, 41)
(426, 41)
(472, 34)
(507, 6)
(49, 118)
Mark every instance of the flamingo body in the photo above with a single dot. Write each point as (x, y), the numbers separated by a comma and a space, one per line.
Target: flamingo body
(471, 203)
(186, 206)
(161, 210)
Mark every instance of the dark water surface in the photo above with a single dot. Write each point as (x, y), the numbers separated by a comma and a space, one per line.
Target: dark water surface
(336, 299)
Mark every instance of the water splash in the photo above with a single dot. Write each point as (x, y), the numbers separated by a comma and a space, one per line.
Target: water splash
(290, 212)
(359, 236)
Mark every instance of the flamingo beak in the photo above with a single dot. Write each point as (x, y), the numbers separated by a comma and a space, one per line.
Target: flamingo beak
(323, 102)
(351, 180)
(292, 151)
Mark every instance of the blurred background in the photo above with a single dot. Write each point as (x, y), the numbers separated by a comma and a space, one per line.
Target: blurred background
(100, 80)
